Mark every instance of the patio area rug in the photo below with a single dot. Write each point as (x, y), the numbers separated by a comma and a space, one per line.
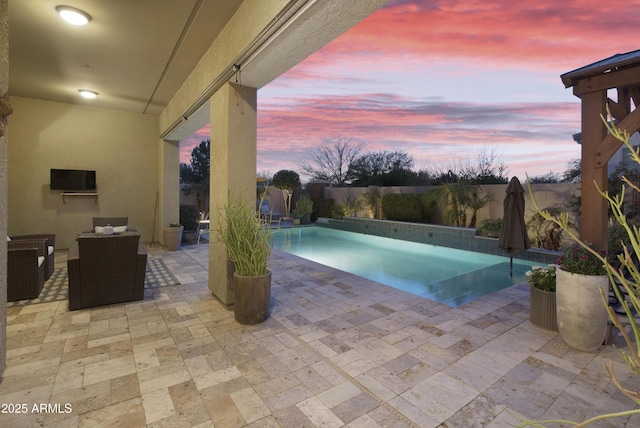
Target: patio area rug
(56, 288)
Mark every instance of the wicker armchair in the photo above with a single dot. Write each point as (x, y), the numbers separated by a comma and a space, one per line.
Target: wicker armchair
(25, 268)
(50, 252)
(106, 269)
(110, 221)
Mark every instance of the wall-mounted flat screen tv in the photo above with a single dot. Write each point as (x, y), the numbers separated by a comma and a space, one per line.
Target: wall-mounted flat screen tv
(74, 180)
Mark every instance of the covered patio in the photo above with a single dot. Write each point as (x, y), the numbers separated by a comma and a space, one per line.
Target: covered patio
(338, 350)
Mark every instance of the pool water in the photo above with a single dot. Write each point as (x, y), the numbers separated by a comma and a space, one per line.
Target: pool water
(446, 275)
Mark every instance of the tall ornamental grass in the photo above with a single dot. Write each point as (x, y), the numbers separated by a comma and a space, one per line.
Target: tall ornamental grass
(246, 236)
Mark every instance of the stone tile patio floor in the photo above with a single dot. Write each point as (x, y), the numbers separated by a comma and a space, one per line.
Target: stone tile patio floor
(338, 350)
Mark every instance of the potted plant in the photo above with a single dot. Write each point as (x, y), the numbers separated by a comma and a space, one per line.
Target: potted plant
(304, 208)
(580, 279)
(542, 297)
(246, 237)
(173, 236)
(295, 216)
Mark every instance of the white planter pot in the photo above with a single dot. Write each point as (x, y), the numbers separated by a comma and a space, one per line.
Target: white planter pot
(581, 312)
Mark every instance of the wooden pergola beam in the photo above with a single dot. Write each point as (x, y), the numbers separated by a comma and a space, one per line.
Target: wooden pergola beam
(634, 93)
(609, 144)
(591, 83)
(618, 110)
(603, 82)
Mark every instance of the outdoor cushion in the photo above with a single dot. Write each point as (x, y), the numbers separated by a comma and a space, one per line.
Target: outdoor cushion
(116, 229)
(40, 260)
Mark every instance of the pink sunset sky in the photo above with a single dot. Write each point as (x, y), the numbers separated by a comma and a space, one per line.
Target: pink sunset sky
(443, 79)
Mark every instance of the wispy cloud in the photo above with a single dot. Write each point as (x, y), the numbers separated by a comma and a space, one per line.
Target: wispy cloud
(440, 79)
(431, 130)
(544, 34)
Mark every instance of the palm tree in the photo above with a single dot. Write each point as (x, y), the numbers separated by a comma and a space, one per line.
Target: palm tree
(460, 197)
(477, 200)
(372, 200)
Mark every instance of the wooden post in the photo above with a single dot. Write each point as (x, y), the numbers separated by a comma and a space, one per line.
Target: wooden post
(594, 170)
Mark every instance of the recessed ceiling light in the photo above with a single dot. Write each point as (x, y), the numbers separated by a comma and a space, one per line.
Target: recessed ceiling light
(73, 16)
(90, 95)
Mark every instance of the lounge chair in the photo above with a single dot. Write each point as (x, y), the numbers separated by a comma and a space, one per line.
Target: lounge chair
(204, 228)
(265, 211)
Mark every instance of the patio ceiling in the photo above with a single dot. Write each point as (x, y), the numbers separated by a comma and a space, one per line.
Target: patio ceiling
(135, 54)
(138, 54)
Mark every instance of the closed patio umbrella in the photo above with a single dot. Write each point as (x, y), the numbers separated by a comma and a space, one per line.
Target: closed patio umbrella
(513, 236)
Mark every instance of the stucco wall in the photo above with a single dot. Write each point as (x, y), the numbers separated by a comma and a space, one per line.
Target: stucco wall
(122, 147)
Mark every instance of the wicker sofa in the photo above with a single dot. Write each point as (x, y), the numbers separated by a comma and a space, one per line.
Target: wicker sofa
(106, 269)
(26, 266)
(49, 253)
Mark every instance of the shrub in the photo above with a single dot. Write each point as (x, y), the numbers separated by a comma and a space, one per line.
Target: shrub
(617, 237)
(543, 278)
(491, 227)
(404, 207)
(323, 208)
(189, 216)
(585, 261)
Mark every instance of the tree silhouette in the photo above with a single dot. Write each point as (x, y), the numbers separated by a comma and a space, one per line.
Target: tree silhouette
(197, 173)
(384, 168)
(332, 161)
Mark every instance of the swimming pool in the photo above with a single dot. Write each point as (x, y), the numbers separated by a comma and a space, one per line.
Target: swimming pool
(446, 275)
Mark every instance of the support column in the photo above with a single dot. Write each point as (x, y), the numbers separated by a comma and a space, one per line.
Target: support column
(169, 192)
(233, 169)
(4, 140)
(594, 207)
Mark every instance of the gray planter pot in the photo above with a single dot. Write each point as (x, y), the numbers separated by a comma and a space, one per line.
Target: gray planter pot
(542, 310)
(252, 304)
(305, 219)
(173, 237)
(582, 315)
